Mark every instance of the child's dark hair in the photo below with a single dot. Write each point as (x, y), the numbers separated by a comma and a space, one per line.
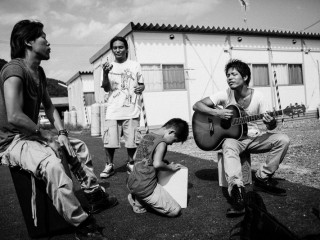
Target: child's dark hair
(241, 67)
(180, 126)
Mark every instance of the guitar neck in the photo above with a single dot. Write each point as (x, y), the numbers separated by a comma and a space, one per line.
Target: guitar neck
(252, 118)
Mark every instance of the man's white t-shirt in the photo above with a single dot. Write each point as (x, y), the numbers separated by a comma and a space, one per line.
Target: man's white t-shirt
(257, 105)
(122, 102)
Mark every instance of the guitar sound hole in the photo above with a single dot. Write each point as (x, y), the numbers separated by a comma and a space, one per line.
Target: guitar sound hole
(225, 124)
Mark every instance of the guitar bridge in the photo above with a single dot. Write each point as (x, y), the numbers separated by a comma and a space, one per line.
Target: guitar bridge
(211, 129)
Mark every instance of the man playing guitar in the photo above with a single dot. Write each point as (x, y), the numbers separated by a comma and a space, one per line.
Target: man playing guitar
(253, 141)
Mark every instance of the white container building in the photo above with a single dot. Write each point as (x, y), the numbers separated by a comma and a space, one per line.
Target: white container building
(182, 64)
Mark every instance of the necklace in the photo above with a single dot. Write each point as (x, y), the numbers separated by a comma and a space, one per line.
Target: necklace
(245, 102)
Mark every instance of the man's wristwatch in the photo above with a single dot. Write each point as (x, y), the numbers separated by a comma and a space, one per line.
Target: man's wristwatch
(64, 132)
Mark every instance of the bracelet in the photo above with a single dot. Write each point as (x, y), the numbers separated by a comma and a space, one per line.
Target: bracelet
(64, 132)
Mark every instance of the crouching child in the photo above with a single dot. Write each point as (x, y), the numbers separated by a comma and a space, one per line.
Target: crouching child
(145, 192)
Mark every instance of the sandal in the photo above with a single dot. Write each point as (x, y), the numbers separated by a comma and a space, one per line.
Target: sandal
(135, 207)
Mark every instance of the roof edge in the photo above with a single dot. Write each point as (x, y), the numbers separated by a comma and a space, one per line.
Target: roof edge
(123, 33)
(225, 30)
(78, 74)
(201, 29)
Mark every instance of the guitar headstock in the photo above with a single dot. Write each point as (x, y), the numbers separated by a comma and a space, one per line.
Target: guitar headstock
(295, 109)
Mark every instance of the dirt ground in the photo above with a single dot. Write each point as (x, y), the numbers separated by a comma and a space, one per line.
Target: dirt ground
(204, 218)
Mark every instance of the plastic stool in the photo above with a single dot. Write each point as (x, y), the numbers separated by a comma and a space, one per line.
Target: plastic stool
(246, 169)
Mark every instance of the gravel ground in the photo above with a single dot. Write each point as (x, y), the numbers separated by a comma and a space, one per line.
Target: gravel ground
(301, 164)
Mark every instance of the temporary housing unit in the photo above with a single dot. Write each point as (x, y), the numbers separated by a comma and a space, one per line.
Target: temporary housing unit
(81, 96)
(183, 64)
(61, 104)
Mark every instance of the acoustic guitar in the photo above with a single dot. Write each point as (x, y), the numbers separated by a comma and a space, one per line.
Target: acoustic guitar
(209, 131)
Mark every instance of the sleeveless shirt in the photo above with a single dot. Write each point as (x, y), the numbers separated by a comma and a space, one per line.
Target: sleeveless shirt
(143, 179)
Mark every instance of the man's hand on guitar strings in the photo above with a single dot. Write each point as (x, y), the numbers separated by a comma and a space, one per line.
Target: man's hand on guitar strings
(225, 113)
(267, 119)
(270, 122)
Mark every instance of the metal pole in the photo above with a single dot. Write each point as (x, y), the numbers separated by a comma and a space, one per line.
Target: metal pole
(270, 72)
(187, 80)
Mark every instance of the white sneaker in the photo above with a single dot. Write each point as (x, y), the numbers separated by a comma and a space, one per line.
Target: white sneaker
(108, 171)
(129, 168)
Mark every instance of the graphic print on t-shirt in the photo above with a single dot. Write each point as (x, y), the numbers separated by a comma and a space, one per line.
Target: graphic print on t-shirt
(122, 102)
(144, 149)
(123, 90)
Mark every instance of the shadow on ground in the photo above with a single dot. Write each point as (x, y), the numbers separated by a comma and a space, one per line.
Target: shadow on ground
(204, 218)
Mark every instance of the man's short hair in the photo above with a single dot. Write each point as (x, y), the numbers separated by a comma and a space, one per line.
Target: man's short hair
(241, 67)
(121, 39)
(180, 126)
(24, 31)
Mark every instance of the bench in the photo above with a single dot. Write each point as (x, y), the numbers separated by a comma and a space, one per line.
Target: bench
(246, 169)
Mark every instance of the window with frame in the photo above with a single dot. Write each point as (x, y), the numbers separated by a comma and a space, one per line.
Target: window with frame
(162, 77)
(260, 75)
(89, 98)
(288, 74)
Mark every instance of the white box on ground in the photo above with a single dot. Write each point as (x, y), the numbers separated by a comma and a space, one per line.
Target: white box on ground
(176, 184)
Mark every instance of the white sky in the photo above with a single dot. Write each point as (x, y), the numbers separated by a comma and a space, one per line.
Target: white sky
(77, 29)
